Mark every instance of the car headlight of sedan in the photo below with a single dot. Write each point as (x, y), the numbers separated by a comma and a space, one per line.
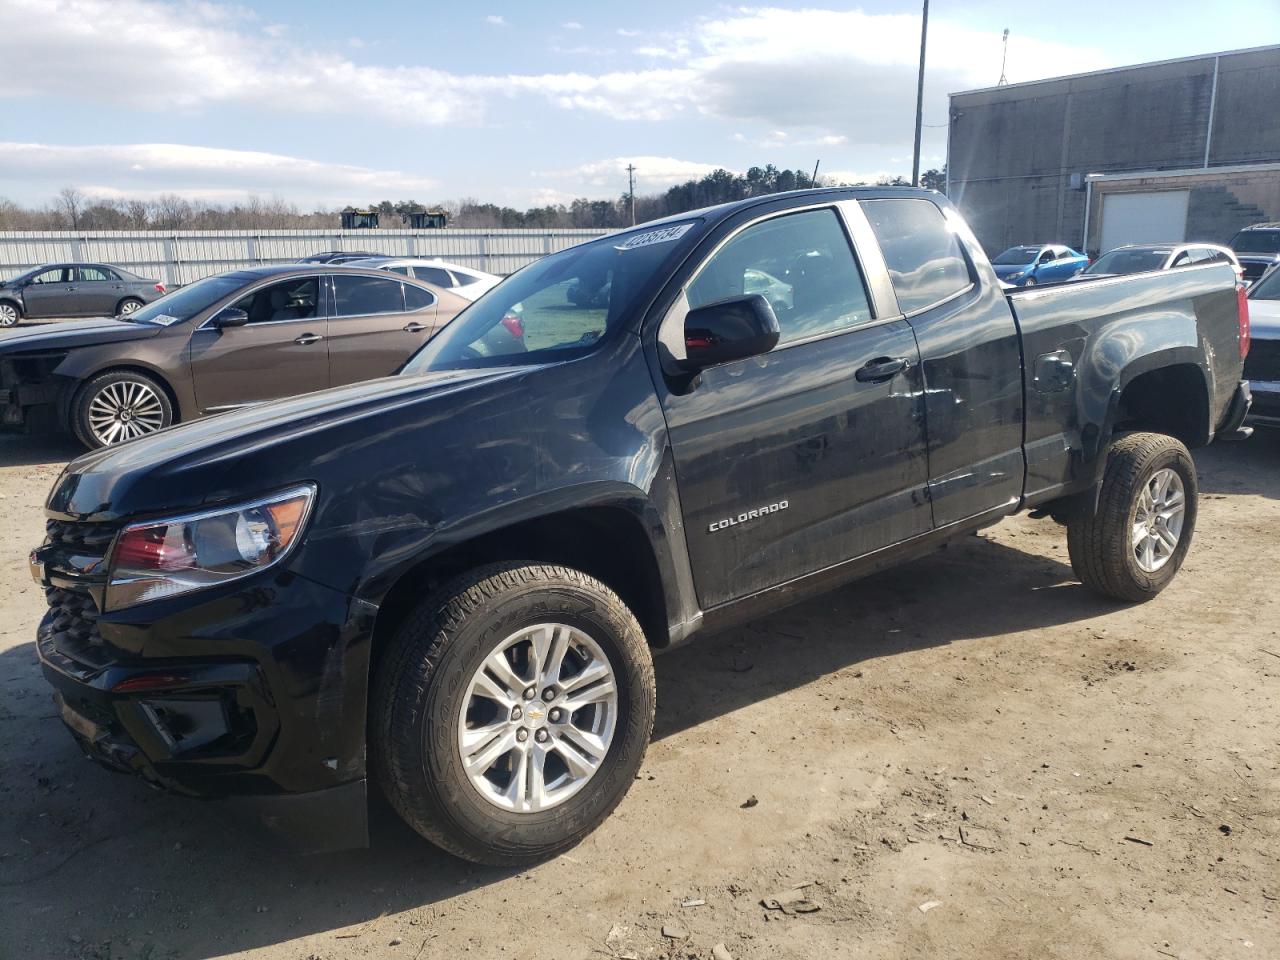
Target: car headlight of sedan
(161, 558)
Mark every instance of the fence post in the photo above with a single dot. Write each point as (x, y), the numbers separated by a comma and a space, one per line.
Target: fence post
(76, 250)
(171, 271)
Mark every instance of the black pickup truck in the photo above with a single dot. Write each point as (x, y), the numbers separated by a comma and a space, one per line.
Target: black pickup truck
(451, 581)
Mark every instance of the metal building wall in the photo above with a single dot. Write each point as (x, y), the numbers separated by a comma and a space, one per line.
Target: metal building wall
(1018, 154)
(183, 256)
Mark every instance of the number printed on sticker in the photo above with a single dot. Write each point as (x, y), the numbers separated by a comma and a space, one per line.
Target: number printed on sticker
(665, 235)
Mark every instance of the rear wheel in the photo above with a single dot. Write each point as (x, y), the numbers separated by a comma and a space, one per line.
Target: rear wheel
(512, 711)
(129, 306)
(1135, 542)
(10, 313)
(117, 406)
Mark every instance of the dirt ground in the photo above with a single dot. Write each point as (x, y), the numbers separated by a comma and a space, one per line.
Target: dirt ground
(967, 757)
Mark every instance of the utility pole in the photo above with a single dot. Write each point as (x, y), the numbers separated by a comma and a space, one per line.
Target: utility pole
(915, 157)
(1004, 59)
(813, 181)
(631, 190)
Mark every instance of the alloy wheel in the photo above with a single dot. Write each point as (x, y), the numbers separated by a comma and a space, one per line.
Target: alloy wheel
(8, 315)
(538, 718)
(1158, 519)
(129, 308)
(124, 410)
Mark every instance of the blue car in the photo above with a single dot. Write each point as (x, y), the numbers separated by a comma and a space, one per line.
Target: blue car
(1033, 263)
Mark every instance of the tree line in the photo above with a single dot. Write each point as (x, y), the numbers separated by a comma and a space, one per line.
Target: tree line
(72, 209)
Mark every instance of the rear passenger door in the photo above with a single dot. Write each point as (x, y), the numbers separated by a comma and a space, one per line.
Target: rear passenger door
(98, 290)
(815, 452)
(372, 331)
(970, 353)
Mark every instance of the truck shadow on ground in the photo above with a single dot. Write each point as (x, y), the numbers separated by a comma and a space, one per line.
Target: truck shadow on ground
(17, 450)
(100, 857)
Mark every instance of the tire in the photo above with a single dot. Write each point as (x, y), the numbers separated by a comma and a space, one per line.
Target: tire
(1109, 552)
(128, 305)
(1029, 282)
(10, 313)
(424, 703)
(140, 402)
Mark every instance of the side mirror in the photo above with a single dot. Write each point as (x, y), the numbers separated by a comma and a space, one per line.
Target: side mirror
(726, 330)
(230, 317)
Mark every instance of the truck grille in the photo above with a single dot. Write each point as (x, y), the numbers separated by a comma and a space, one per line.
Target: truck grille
(69, 631)
(70, 628)
(96, 537)
(1263, 362)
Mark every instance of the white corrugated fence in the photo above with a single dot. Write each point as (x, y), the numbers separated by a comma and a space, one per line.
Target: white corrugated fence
(181, 256)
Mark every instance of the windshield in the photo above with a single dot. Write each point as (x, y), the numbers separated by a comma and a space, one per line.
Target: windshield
(1268, 288)
(1256, 241)
(186, 302)
(1128, 261)
(556, 308)
(1016, 255)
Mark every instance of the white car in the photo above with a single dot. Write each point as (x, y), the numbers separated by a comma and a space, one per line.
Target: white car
(1262, 366)
(464, 281)
(1144, 257)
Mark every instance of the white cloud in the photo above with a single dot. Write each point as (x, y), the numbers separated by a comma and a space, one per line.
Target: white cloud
(817, 73)
(149, 169)
(495, 20)
(571, 25)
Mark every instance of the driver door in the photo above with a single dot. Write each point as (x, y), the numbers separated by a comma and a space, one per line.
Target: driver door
(813, 453)
(282, 351)
(49, 293)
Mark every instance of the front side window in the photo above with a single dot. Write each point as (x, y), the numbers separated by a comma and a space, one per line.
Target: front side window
(801, 263)
(56, 275)
(361, 296)
(292, 299)
(559, 307)
(926, 264)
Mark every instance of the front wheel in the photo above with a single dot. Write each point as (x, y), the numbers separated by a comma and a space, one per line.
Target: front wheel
(511, 712)
(10, 314)
(117, 406)
(1029, 282)
(1135, 542)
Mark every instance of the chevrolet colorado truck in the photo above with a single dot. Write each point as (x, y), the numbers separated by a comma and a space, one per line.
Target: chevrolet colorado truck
(450, 582)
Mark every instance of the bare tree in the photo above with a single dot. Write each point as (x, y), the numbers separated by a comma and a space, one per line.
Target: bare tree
(72, 202)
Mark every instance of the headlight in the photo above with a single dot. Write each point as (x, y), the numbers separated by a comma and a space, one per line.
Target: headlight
(164, 558)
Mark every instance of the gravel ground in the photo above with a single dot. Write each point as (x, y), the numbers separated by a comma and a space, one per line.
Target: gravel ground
(966, 757)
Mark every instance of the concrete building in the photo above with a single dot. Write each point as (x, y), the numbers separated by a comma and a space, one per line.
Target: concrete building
(1183, 149)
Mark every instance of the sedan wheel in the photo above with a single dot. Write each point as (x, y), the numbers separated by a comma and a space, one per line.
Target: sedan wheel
(120, 406)
(9, 315)
(130, 307)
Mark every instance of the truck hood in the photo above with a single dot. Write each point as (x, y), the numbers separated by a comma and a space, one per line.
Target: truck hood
(239, 454)
(74, 333)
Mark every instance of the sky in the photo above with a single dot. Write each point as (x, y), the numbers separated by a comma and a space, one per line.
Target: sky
(326, 104)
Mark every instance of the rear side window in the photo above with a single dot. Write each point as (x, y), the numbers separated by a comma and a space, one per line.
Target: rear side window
(415, 298)
(90, 274)
(436, 275)
(924, 257)
(801, 263)
(402, 270)
(359, 296)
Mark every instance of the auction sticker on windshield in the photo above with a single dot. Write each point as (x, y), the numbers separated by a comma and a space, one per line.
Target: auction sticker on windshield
(163, 319)
(665, 235)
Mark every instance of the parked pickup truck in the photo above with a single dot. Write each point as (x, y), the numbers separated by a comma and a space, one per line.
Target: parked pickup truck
(451, 581)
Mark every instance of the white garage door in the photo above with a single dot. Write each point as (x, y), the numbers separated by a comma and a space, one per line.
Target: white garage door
(1144, 218)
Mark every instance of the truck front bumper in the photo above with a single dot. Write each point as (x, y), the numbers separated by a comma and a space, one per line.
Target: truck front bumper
(254, 696)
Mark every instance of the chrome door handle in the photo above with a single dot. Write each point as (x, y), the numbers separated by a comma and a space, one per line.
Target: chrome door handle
(308, 338)
(414, 327)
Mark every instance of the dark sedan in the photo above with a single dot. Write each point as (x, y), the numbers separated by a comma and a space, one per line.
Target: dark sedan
(223, 342)
(75, 290)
